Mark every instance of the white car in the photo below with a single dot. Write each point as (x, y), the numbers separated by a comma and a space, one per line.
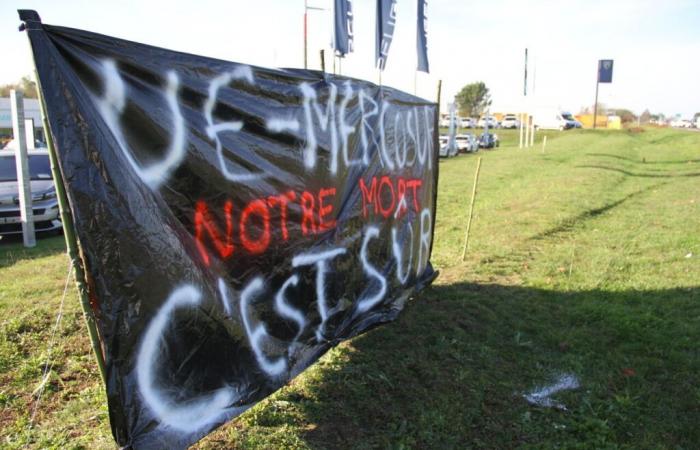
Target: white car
(489, 121)
(445, 122)
(467, 143)
(44, 202)
(510, 121)
(682, 123)
(467, 123)
(445, 150)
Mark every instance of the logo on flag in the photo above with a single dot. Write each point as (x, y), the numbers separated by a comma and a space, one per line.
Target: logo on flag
(605, 70)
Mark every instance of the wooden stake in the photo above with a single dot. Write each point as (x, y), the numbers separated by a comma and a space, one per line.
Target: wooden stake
(436, 146)
(573, 252)
(71, 239)
(544, 143)
(471, 210)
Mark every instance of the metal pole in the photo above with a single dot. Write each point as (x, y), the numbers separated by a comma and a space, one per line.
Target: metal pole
(22, 164)
(525, 77)
(29, 133)
(595, 105)
(71, 240)
(322, 54)
(306, 7)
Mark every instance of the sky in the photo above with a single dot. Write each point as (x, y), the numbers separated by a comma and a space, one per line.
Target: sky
(655, 44)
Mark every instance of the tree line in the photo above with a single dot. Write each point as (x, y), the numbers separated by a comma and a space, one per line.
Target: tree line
(26, 85)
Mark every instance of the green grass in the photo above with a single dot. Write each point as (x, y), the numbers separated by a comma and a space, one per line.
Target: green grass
(584, 259)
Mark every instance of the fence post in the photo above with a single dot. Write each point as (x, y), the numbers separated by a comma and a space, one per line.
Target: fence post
(22, 162)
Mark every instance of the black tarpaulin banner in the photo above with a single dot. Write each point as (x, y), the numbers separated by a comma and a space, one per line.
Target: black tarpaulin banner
(235, 222)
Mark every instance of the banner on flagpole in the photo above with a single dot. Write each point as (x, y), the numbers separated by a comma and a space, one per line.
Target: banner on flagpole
(343, 25)
(422, 37)
(386, 21)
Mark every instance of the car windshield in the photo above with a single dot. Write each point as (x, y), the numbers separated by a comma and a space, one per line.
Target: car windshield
(567, 116)
(39, 167)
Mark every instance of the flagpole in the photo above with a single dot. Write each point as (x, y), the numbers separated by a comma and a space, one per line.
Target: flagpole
(595, 105)
(306, 51)
(306, 30)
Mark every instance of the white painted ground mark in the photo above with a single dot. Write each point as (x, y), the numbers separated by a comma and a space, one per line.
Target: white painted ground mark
(541, 395)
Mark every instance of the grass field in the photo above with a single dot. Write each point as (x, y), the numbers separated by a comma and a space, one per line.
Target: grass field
(584, 259)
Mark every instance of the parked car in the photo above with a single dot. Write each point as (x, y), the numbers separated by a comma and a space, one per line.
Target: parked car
(10, 145)
(489, 121)
(445, 122)
(489, 140)
(510, 121)
(682, 123)
(445, 150)
(467, 122)
(467, 143)
(572, 122)
(44, 202)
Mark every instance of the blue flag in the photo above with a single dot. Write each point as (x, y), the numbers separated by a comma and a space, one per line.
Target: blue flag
(342, 36)
(386, 20)
(605, 68)
(422, 38)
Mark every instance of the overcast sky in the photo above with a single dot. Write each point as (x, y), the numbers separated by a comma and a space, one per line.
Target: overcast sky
(655, 43)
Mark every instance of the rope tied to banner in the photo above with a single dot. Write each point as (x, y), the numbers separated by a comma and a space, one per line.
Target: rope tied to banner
(48, 365)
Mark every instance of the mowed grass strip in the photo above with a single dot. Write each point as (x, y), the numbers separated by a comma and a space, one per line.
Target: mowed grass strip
(584, 259)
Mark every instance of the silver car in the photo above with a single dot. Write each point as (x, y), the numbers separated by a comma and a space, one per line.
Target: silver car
(44, 202)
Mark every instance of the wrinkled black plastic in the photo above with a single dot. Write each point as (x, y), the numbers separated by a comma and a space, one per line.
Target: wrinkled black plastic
(180, 171)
